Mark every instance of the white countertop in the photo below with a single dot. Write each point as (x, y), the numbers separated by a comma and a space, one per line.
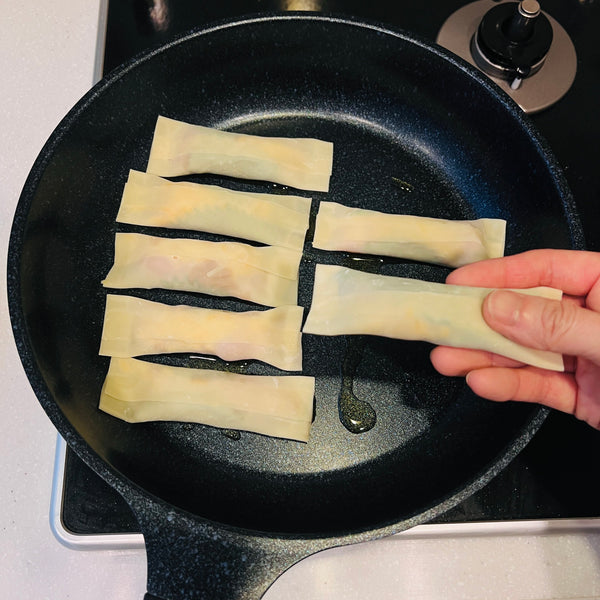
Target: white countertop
(48, 59)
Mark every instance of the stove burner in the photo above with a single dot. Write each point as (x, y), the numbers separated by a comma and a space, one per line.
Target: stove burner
(526, 52)
(512, 41)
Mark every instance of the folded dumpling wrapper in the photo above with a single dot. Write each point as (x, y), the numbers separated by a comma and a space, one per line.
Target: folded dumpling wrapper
(279, 406)
(266, 275)
(180, 148)
(347, 302)
(439, 241)
(137, 327)
(267, 218)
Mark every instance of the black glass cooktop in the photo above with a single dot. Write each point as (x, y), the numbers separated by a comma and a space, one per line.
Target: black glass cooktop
(555, 476)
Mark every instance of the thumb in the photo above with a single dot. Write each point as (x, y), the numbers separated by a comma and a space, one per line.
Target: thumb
(544, 324)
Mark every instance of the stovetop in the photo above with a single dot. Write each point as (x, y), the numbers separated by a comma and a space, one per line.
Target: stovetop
(555, 476)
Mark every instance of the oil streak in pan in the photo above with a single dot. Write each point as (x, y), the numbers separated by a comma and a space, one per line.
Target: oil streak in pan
(356, 415)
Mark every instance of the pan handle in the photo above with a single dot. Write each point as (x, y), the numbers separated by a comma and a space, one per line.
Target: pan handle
(190, 559)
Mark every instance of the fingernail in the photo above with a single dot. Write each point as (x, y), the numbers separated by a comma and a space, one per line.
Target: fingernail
(504, 306)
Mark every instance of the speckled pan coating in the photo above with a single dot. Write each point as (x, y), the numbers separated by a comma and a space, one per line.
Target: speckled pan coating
(223, 517)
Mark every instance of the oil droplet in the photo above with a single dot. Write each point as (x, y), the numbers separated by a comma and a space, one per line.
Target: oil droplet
(239, 367)
(403, 185)
(356, 415)
(232, 434)
(368, 264)
(221, 365)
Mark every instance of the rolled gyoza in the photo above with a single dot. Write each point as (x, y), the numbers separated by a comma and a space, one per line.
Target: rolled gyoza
(347, 302)
(439, 241)
(182, 149)
(267, 218)
(137, 327)
(266, 275)
(137, 391)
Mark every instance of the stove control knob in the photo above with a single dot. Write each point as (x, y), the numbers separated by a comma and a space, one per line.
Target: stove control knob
(512, 41)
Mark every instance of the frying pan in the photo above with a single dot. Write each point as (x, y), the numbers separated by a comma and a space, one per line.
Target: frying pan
(416, 131)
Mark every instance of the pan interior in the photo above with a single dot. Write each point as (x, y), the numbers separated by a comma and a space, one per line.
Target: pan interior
(413, 133)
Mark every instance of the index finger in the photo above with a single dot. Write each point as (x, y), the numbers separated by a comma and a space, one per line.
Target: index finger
(575, 272)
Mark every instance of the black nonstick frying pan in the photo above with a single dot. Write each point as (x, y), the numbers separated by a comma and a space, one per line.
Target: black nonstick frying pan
(416, 131)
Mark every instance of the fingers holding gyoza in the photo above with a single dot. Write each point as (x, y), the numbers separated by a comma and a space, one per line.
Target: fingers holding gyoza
(570, 327)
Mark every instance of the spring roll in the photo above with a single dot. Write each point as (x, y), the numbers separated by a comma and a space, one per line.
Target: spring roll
(347, 302)
(267, 218)
(439, 241)
(266, 275)
(137, 391)
(137, 327)
(183, 149)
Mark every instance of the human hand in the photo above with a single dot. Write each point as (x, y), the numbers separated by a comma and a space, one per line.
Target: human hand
(570, 327)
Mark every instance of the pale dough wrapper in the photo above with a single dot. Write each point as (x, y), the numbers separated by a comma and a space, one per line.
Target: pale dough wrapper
(347, 302)
(137, 391)
(180, 148)
(266, 275)
(439, 241)
(137, 327)
(267, 218)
